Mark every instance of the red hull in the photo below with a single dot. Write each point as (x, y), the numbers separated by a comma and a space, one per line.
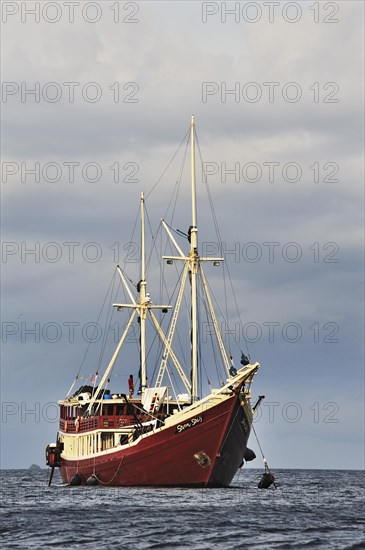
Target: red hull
(166, 457)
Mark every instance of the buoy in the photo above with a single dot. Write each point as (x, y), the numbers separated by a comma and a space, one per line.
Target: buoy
(249, 455)
(75, 481)
(92, 480)
(267, 477)
(266, 480)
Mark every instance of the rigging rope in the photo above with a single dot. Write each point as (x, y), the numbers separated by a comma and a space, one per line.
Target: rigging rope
(107, 323)
(219, 374)
(267, 469)
(114, 476)
(220, 242)
(169, 164)
(178, 183)
(91, 339)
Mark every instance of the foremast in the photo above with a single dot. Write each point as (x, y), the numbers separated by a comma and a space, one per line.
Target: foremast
(142, 305)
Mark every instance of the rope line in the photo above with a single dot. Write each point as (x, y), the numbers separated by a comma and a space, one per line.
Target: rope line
(114, 476)
(267, 469)
(169, 164)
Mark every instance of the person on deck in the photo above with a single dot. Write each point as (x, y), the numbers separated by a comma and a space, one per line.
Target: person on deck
(244, 360)
(130, 386)
(232, 370)
(140, 382)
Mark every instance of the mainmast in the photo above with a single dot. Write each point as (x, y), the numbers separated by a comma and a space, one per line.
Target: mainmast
(194, 264)
(193, 185)
(142, 300)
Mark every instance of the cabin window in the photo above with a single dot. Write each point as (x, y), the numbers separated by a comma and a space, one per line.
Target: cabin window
(124, 439)
(121, 410)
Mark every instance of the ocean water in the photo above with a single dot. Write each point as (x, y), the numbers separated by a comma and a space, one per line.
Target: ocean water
(309, 509)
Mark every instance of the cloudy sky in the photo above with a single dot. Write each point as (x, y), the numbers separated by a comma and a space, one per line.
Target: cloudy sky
(96, 98)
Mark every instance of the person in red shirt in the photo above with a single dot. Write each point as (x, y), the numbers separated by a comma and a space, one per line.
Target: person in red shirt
(130, 386)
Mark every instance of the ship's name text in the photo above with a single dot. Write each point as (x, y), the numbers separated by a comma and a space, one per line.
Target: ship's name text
(189, 424)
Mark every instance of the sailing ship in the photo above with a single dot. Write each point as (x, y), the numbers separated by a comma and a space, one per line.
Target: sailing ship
(158, 438)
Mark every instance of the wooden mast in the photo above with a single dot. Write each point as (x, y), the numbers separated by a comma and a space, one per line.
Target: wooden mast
(194, 264)
(142, 300)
